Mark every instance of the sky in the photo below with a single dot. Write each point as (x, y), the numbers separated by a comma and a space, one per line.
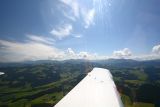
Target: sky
(77, 29)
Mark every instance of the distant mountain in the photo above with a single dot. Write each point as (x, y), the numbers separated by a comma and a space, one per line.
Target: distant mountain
(130, 62)
(109, 62)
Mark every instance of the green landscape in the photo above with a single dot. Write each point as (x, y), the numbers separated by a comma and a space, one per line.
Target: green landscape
(44, 83)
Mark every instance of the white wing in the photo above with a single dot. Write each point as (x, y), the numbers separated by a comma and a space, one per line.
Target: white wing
(97, 89)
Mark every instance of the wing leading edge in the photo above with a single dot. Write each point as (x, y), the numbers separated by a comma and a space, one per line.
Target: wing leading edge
(97, 89)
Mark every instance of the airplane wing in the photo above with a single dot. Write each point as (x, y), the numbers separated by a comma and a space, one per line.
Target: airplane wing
(97, 89)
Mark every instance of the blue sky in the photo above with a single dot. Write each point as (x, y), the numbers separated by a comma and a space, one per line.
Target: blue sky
(68, 29)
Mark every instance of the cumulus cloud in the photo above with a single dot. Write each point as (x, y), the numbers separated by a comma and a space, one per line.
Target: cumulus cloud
(62, 31)
(70, 52)
(156, 49)
(81, 55)
(122, 53)
(155, 54)
(74, 55)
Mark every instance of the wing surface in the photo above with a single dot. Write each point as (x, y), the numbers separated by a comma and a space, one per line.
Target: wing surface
(97, 89)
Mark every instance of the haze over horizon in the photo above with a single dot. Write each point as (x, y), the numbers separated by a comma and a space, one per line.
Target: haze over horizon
(79, 29)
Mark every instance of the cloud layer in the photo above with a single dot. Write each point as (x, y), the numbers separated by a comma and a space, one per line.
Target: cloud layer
(16, 51)
(39, 48)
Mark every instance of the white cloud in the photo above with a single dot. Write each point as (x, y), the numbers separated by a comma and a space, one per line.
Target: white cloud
(89, 17)
(62, 31)
(125, 53)
(145, 57)
(156, 49)
(34, 49)
(41, 39)
(70, 52)
(90, 56)
(81, 55)
(73, 4)
(155, 54)
(38, 48)
(16, 51)
(77, 35)
(67, 15)
(73, 55)
(79, 11)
